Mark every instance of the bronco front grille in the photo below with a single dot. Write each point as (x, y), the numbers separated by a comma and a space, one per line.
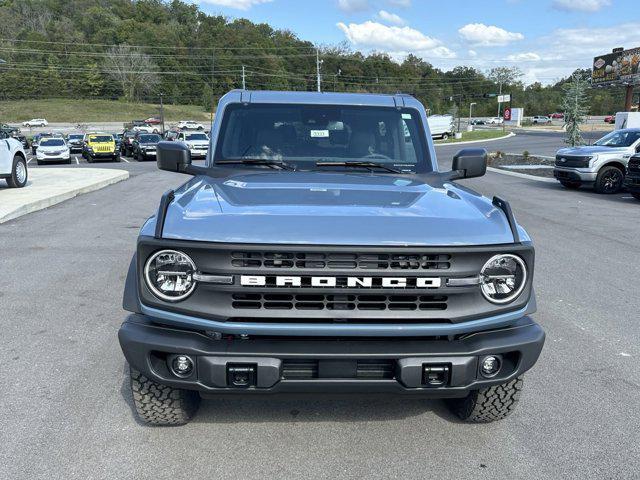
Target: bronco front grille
(278, 301)
(340, 261)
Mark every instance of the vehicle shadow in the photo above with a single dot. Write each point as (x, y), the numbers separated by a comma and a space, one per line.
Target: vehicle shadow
(585, 192)
(307, 408)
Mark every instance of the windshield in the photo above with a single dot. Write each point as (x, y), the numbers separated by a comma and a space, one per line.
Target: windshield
(196, 136)
(149, 138)
(52, 142)
(305, 134)
(619, 138)
(75, 137)
(101, 138)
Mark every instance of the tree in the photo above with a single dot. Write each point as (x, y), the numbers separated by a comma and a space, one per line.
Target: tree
(134, 70)
(575, 108)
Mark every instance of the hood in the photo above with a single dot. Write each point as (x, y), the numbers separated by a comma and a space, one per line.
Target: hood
(332, 209)
(197, 142)
(591, 150)
(53, 148)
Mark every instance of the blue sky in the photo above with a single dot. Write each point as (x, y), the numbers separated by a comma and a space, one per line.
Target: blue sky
(547, 39)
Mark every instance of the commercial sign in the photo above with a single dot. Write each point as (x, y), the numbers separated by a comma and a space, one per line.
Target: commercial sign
(507, 114)
(618, 67)
(504, 98)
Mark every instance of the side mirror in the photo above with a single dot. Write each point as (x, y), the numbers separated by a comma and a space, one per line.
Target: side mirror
(173, 156)
(469, 163)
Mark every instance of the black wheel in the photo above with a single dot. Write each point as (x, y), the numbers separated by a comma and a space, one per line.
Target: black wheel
(488, 404)
(19, 174)
(116, 158)
(636, 195)
(609, 180)
(68, 161)
(158, 404)
(89, 158)
(199, 128)
(570, 185)
(445, 136)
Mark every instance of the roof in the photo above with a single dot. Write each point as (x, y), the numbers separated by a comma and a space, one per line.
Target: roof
(322, 98)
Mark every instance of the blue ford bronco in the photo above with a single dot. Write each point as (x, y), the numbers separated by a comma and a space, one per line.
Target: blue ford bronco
(319, 249)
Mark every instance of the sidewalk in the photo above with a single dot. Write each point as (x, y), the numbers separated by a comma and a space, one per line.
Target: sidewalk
(50, 186)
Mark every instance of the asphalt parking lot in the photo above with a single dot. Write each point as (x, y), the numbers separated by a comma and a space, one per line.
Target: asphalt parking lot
(67, 411)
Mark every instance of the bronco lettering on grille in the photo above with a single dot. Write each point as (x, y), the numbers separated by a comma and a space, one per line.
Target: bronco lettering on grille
(339, 282)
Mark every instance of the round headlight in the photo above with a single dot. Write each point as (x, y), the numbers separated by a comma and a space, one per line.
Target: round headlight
(502, 278)
(169, 275)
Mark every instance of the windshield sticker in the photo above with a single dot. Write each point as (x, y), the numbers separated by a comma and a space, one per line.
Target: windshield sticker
(319, 133)
(406, 116)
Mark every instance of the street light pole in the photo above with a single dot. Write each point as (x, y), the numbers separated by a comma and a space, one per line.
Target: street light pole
(470, 108)
(162, 113)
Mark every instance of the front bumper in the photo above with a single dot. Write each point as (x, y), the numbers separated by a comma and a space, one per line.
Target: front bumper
(103, 154)
(57, 158)
(632, 182)
(574, 175)
(288, 364)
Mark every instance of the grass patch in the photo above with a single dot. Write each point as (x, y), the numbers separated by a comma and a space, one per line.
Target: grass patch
(66, 110)
(476, 135)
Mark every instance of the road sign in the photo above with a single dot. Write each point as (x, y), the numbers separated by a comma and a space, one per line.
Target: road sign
(504, 98)
(507, 114)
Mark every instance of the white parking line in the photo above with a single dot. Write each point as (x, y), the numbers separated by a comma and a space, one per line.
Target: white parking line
(124, 159)
(77, 161)
(29, 160)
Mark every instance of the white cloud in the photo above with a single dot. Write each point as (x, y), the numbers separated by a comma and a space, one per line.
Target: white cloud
(397, 41)
(351, 6)
(400, 3)
(524, 57)
(391, 18)
(580, 5)
(472, 53)
(482, 35)
(238, 4)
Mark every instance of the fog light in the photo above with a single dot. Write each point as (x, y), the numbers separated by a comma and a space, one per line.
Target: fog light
(490, 366)
(182, 366)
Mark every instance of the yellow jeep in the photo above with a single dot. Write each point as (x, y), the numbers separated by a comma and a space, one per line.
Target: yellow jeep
(98, 146)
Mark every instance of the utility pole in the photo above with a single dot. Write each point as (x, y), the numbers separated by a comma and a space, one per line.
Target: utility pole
(244, 83)
(162, 113)
(470, 108)
(318, 63)
(499, 93)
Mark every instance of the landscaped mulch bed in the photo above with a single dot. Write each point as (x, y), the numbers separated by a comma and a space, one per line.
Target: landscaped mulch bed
(522, 164)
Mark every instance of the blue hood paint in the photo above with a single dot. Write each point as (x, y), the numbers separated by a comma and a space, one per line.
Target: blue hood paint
(279, 207)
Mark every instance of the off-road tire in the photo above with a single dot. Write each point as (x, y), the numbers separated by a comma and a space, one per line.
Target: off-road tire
(570, 185)
(488, 404)
(14, 181)
(602, 184)
(158, 404)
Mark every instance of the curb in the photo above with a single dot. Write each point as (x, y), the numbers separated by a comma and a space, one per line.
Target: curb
(41, 204)
(522, 175)
(511, 134)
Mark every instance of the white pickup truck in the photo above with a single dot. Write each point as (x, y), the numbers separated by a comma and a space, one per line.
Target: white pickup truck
(441, 126)
(13, 161)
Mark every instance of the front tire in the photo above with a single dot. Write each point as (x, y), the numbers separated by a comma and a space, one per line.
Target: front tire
(159, 404)
(19, 173)
(488, 404)
(445, 136)
(609, 180)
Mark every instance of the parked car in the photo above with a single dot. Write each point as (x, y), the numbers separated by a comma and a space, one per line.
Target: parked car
(540, 119)
(602, 165)
(74, 141)
(126, 145)
(53, 150)
(99, 146)
(495, 121)
(441, 126)
(312, 254)
(197, 142)
(477, 121)
(35, 141)
(145, 128)
(144, 146)
(610, 119)
(23, 140)
(35, 122)
(9, 130)
(171, 135)
(153, 121)
(632, 179)
(557, 115)
(190, 125)
(13, 161)
(118, 138)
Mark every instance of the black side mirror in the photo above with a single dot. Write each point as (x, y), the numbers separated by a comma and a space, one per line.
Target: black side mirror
(173, 157)
(469, 163)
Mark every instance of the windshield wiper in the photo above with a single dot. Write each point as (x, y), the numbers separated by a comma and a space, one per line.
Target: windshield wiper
(256, 161)
(368, 165)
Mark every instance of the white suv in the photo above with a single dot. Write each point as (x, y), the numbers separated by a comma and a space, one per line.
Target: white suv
(189, 125)
(198, 143)
(540, 119)
(495, 121)
(13, 161)
(35, 122)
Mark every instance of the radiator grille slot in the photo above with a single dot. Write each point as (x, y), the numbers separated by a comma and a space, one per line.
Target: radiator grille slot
(367, 369)
(277, 301)
(340, 261)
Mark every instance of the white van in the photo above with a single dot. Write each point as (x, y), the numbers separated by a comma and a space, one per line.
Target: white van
(441, 126)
